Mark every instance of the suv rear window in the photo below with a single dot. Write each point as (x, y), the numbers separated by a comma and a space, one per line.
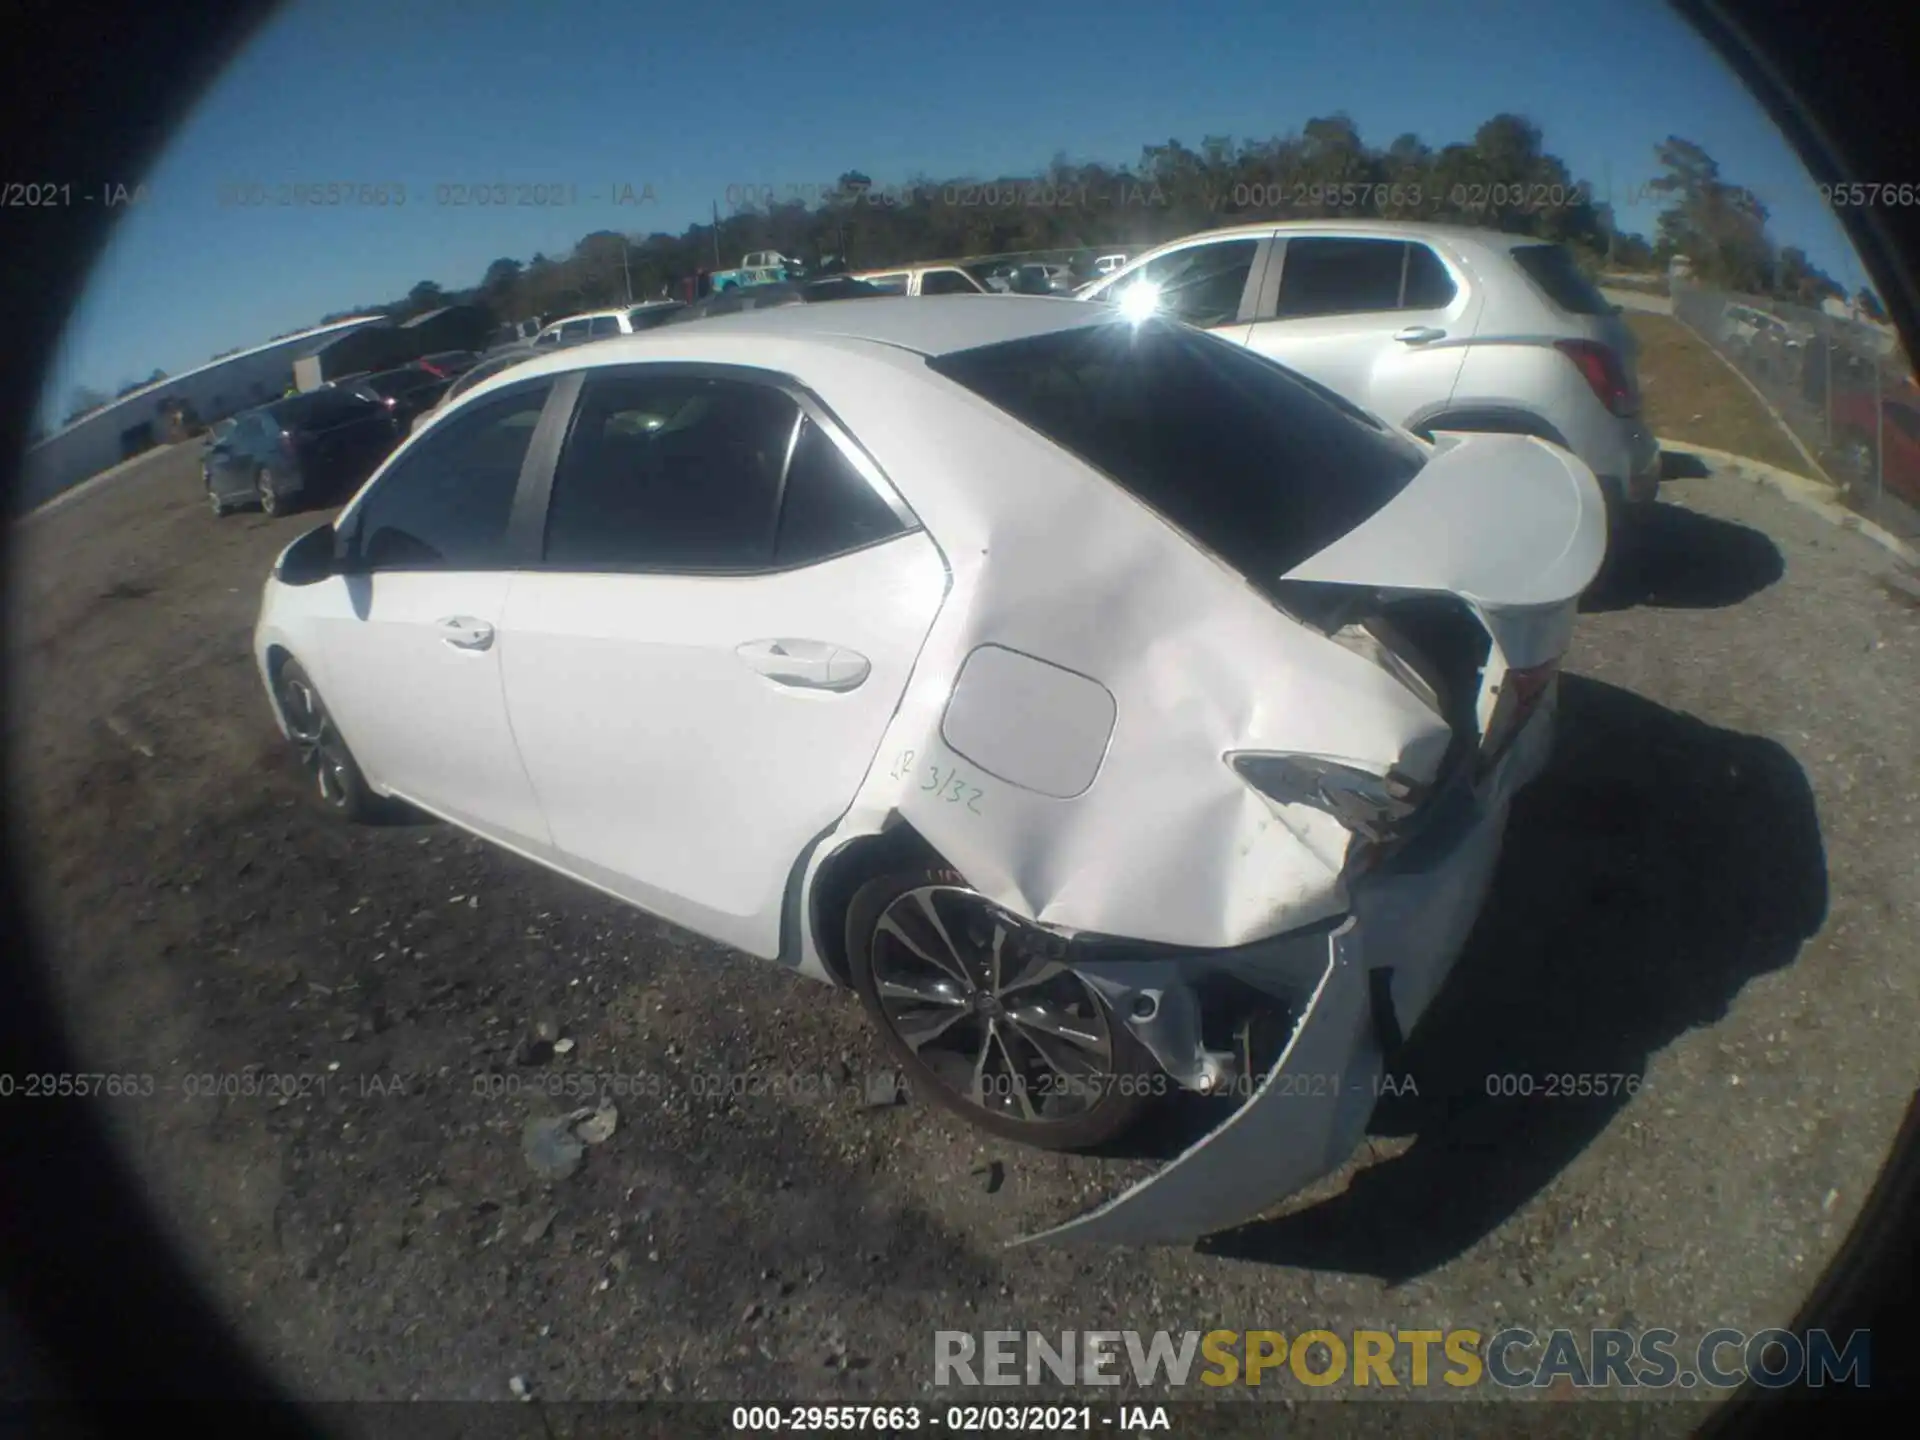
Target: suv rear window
(1556, 272)
(1253, 462)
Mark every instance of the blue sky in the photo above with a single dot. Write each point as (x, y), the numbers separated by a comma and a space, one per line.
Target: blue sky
(689, 100)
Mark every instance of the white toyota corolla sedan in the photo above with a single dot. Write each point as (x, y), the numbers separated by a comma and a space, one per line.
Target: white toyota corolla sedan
(1115, 711)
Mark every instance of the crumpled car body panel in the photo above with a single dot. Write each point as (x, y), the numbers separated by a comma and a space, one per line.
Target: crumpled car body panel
(1166, 843)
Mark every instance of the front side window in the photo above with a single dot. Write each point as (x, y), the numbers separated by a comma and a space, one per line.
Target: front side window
(574, 331)
(670, 473)
(547, 337)
(1200, 284)
(604, 325)
(446, 503)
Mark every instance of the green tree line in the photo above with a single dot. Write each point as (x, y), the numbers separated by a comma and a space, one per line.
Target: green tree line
(1503, 178)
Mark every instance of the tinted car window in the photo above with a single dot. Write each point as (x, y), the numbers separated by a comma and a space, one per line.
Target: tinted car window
(1554, 270)
(603, 325)
(316, 409)
(670, 473)
(575, 330)
(547, 337)
(1259, 468)
(1428, 285)
(485, 370)
(648, 318)
(445, 504)
(827, 507)
(946, 282)
(1201, 284)
(400, 382)
(1340, 276)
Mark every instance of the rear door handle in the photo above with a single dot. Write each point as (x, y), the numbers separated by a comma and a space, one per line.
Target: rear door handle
(807, 664)
(1419, 335)
(463, 632)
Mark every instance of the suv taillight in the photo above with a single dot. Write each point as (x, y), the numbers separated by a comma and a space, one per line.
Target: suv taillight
(287, 442)
(1602, 370)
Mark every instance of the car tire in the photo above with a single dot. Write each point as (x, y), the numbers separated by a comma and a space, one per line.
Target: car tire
(1023, 1098)
(220, 507)
(272, 502)
(336, 784)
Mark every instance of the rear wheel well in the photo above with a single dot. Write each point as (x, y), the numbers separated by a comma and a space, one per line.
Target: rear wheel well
(897, 848)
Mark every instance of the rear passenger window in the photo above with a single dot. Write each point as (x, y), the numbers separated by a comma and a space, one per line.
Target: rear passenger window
(1429, 286)
(827, 508)
(604, 325)
(445, 505)
(1340, 276)
(670, 473)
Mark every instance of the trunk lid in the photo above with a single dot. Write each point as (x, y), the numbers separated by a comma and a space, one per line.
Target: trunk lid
(1512, 525)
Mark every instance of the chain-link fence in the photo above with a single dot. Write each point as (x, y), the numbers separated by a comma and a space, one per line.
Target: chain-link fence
(1840, 382)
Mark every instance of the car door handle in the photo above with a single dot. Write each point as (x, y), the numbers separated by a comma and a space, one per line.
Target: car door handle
(463, 632)
(1419, 335)
(808, 664)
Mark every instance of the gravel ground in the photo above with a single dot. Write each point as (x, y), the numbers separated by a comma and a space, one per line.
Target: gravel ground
(1713, 889)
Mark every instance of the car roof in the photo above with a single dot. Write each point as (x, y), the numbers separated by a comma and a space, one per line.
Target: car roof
(593, 315)
(1402, 229)
(931, 325)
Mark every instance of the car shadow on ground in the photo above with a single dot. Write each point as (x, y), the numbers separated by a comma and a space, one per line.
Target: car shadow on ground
(1672, 558)
(1682, 465)
(1655, 868)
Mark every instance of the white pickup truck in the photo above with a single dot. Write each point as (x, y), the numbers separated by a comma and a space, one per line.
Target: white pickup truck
(924, 280)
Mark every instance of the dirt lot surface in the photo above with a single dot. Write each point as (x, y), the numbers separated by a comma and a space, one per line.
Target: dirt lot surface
(1691, 395)
(1715, 890)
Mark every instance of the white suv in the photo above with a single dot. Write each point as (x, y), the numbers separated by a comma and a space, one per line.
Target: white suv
(1431, 327)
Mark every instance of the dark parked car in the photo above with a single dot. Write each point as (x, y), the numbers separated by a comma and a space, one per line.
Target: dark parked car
(406, 392)
(485, 370)
(449, 364)
(298, 450)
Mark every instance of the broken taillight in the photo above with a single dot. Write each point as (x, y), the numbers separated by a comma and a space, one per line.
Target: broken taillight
(1519, 696)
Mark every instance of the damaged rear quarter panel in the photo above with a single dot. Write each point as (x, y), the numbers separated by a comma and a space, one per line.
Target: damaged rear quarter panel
(1052, 560)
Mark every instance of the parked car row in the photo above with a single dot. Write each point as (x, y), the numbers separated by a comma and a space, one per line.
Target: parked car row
(833, 538)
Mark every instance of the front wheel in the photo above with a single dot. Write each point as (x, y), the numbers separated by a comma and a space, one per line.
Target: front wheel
(972, 1001)
(334, 778)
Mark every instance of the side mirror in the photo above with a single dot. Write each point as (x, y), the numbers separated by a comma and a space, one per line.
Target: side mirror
(310, 559)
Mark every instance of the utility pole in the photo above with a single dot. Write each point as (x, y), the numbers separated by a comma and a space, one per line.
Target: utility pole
(625, 269)
(716, 234)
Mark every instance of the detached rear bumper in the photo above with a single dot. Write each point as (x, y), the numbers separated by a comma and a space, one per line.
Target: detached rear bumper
(1355, 989)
